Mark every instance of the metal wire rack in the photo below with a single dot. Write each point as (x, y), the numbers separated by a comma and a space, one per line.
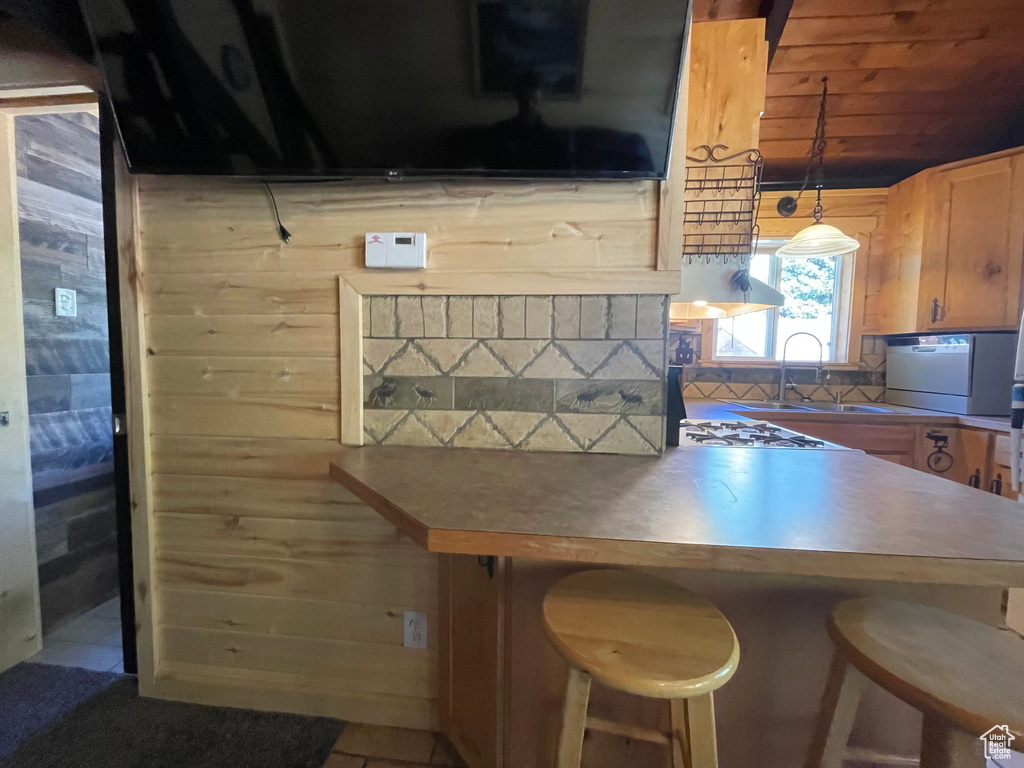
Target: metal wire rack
(722, 196)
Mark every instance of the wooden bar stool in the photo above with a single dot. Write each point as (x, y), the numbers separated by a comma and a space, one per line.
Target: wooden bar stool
(965, 677)
(644, 636)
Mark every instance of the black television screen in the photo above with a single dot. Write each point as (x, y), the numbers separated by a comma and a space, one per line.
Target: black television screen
(393, 88)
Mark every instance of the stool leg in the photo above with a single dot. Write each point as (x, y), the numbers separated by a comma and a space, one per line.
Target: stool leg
(835, 717)
(700, 732)
(943, 745)
(574, 719)
(680, 740)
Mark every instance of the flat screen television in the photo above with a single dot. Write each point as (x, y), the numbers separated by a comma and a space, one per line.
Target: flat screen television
(393, 88)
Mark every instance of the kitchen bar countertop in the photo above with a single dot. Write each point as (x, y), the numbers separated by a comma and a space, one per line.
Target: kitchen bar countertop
(790, 511)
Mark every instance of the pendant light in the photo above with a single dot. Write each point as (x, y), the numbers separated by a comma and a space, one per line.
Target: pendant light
(817, 240)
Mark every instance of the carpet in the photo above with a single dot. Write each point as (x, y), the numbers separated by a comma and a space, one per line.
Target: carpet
(34, 696)
(116, 728)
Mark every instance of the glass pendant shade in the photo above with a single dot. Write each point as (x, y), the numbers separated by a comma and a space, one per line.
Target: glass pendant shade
(821, 240)
(707, 291)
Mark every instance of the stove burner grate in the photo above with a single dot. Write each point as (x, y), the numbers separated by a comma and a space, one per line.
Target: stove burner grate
(745, 433)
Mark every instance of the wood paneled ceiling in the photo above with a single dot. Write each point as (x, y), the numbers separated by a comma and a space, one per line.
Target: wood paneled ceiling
(912, 83)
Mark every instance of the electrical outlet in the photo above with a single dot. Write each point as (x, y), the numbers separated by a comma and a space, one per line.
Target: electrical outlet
(66, 302)
(415, 634)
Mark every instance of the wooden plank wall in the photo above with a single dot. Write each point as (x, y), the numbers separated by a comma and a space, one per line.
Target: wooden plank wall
(67, 361)
(274, 587)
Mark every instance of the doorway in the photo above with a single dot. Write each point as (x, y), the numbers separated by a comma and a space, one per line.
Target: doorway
(54, 171)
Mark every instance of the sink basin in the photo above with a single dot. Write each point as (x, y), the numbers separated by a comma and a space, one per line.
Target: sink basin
(845, 408)
(776, 405)
(768, 405)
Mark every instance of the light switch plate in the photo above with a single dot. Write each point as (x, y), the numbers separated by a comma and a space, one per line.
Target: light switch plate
(65, 302)
(415, 632)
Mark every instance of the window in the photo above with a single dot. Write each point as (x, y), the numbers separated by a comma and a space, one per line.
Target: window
(814, 291)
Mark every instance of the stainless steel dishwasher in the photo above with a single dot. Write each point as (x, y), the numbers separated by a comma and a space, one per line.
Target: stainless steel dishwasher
(969, 373)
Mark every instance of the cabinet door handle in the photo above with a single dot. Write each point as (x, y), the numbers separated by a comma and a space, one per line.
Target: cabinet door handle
(997, 485)
(975, 479)
(935, 310)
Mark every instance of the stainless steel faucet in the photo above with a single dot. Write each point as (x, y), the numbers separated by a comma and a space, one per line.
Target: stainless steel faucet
(782, 367)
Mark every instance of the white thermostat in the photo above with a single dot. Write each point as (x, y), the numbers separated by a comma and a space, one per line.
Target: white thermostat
(397, 250)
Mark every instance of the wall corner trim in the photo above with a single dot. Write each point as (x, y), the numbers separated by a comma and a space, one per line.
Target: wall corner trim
(350, 340)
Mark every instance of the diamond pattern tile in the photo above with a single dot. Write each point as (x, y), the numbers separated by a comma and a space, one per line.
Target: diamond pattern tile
(480, 361)
(523, 372)
(623, 437)
(553, 363)
(479, 432)
(412, 431)
(550, 436)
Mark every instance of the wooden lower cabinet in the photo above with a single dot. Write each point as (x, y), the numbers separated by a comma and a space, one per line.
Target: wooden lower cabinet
(892, 442)
(472, 619)
(976, 457)
(999, 480)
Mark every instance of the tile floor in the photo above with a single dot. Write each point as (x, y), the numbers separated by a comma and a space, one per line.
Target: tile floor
(92, 641)
(373, 746)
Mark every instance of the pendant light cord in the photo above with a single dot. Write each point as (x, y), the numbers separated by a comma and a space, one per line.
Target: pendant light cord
(816, 160)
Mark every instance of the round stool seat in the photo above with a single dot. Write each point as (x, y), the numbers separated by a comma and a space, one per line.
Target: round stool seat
(640, 634)
(936, 661)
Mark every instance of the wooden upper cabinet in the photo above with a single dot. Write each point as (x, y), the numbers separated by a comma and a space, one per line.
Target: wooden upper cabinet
(904, 240)
(973, 245)
(955, 247)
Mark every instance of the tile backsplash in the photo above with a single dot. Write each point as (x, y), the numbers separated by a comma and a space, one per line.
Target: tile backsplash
(864, 384)
(545, 373)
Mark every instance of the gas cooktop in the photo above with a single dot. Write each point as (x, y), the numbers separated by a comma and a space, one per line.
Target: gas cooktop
(746, 434)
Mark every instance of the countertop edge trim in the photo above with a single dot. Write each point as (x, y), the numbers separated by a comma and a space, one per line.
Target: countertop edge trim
(916, 569)
(406, 524)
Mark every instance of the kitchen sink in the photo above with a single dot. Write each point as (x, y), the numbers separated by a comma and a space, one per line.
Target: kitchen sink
(776, 405)
(767, 405)
(845, 408)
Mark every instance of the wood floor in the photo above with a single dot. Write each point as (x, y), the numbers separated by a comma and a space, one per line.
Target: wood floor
(371, 746)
